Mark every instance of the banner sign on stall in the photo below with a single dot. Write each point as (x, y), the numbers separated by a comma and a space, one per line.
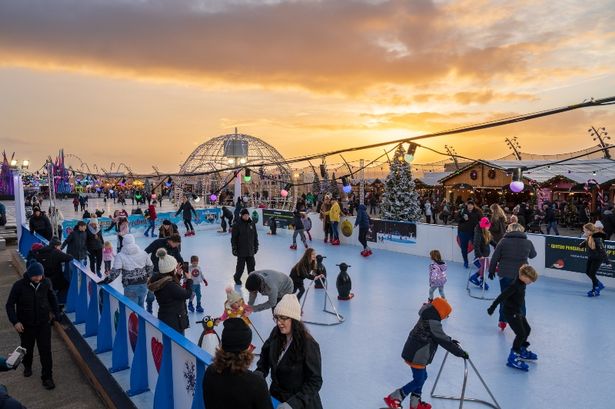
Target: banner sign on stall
(283, 218)
(564, 253)
(387, 231)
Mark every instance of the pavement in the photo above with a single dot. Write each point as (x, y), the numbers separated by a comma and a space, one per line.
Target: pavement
(72, 389)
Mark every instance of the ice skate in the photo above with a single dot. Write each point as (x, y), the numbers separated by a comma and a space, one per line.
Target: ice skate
(417, 403)
(474, 279)
(527, 355)
(187, 234)
(364, 253)
(514, 362)
(190, 307)
(600, 286)
(199, 309)
(393, 401)
(593, 292)
(293, 246)
(146, 234)
(502, 325)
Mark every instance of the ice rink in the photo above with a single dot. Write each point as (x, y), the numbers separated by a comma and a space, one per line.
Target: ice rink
(573, 335)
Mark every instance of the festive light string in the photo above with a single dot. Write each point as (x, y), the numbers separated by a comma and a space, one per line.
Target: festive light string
(479, 126)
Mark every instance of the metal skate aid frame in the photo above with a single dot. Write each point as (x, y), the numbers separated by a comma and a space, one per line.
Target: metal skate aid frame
(339, 317)
(482, 295)
(463, 398)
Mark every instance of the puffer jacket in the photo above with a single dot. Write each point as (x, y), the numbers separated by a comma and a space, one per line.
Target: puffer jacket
(75, 244)
(481, 248)
(171, 299)
(599, 252)
(362, 217)
(297, 222)
(134, 264)
(335, 212)
(31, 303)
(427, 334)
(94, 239)
(41, 225)
(510, 254)
(244, 238)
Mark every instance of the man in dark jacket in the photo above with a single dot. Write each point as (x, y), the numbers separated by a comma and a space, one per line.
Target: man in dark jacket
(228, 215)
(171, 245)
(468, 219)
(29, 307)
(608, 221)
(94, 245)
(39, 223)
(187, 212)
(510, 254)
(363, 222)
(244, 244)
(53, 260)
(420, 349)
(550, 219)
(76, 243)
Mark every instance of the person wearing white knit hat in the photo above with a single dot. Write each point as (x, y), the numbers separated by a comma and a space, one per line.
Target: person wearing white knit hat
(171, 296)
(292, 356)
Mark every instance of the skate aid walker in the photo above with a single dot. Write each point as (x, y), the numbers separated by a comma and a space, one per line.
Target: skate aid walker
(463, 398)
(482, 272)
(323, 283)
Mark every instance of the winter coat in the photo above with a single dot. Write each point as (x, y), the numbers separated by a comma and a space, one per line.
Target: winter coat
(226, 213)
(428, 211)
(467, 226)
(335, 212)
(41, 225)
(53, 261)
(151, 210)
(237, 211)
(512, 299)
(187, 210)
(599, 252)
(427, 334)
(31, 303)
(297, 222)
(498, 229)
(228, 390)
(75, 244)
(295, 380)
(275, 286)
(163, 233)
(299, 273)
(608, 221)
(94, 239)
(362, 219)
(244, 238)
(133, 264)
(481, 248)
(162, 243)
(550, 215)
(171, 298)
(510, 254)
(437, 274)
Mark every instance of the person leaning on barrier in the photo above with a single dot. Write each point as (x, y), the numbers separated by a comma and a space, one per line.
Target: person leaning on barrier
(53, 260)
(228, 383)
(30, 307)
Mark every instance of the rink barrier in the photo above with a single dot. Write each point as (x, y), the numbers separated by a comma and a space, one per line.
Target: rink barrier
(159, 358)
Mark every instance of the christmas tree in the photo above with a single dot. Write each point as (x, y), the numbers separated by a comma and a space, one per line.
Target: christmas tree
(400, 201)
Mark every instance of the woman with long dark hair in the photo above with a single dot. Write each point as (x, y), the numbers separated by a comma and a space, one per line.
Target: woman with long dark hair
(596, 255)
(498, 222)
(228, 383)
(304, 268)
(293, 358)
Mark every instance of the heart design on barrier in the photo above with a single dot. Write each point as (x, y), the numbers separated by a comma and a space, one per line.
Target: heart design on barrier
(157, 353)
(133, 329)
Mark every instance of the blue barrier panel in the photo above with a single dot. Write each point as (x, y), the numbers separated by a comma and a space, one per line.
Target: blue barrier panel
(119, 357)
(73, 290)
(91, 321)
(138, 369)
(81, 308)
(104, 338)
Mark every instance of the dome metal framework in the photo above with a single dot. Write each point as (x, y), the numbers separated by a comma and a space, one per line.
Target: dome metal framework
(210, 156)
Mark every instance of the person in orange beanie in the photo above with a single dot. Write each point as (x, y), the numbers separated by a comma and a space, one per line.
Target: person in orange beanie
(419, 351)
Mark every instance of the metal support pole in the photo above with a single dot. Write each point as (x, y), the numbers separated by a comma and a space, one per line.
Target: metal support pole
(362, 182)
(484, 266)
(339, 317)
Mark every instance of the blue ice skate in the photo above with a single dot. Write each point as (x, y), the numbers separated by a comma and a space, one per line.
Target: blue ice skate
(594, 292)
(600, 286)
(527, 355)
(514, 362)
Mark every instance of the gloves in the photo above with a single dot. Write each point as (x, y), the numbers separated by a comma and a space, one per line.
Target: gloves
(235, 252)
(491, 310)
(284, 405)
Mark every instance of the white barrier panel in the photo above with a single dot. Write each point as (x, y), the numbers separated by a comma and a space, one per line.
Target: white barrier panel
(184, 377)
(154, 353)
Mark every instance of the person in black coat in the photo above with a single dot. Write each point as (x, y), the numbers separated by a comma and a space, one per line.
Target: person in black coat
(596, 256)
(244, 244)
(94, 244)
(76, 243)
(39, 223)
(292, 357)
(167, 229)
(226, 215)
(29, 307)
(482, 248)
(228, 383)
(467, 221)
(172, 246)
(171, 296)
(53, 260)
(304, 268)
(187, 212)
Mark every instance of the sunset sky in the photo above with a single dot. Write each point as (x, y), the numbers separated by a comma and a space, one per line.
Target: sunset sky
(146, 81)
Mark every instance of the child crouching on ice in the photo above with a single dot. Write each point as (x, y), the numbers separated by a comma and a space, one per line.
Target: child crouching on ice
(419, 350)
(513, 300)
(437, 274)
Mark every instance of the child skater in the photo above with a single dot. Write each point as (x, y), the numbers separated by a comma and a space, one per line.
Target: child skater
(197, 279)
(482, 249)
(513, 300)
(236, 307)
(108, 256)
(419, 350)
(437, 274)
(307, 224)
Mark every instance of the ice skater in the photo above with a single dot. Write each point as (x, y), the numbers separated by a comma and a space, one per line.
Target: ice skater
(513, 303)
(305, 268)
(197, 279)
(363, 221)
(299, 230)
(596, 255)
(482, 249)
(419, 350)
(437, 274)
